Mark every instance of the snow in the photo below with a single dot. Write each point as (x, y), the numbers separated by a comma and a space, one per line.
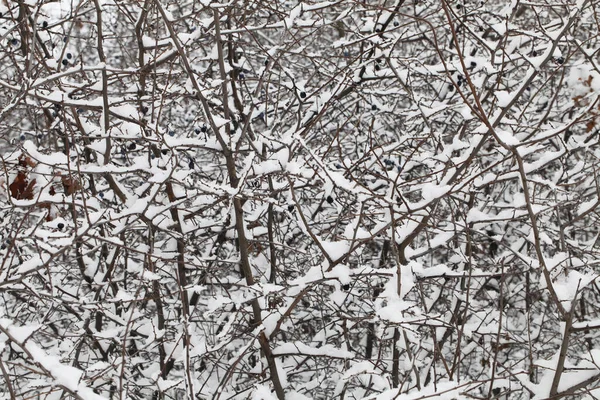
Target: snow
(440, 391)
(430, 192)
(303, 349)
(507, 138)
(36, 261)
(504, 98)
(335, 250)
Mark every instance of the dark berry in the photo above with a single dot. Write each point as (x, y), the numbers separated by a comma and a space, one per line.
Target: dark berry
(203, 129)
(171, 133)
(144, 109)
(534, 53)
(302, 95)
(65, 62)
(560, 60)
(473, 64)
(22, 137)
(197, 131)
(266, 62)
(164, 151)
(374, 107)
(101, 194)
(69, 56)
(396, 23)
(242, 75)
(377, 67)
(291, 208)
(60, 225)
(132, 146)
(191, 164)
(345, 287)
(45, 24)
(458, 6)
(329, 199)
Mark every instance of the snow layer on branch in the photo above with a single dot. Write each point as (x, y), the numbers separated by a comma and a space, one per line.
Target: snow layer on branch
(303, 349)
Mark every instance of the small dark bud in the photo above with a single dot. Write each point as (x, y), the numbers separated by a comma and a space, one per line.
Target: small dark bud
(144, 109)
(560, 60)
(45, 24)
(22, 137)
(101, 194)
(473, 64)
(396, 23)
(203, 129)
(171, 133)
(267, 62)
(69, 56)
(132, 146)
(291, 208)
(302, 95)
(164, 151)
(534, 53)
(346, 287)
(60, 225)
(65, 62)
(197, 131)
(329, 199)
(374, 107)
(191, 164)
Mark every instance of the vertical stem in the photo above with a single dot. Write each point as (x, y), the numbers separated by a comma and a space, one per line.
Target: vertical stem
(105, 121)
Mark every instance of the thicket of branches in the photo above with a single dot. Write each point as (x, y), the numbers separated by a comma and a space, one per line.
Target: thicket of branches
(297, 199)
